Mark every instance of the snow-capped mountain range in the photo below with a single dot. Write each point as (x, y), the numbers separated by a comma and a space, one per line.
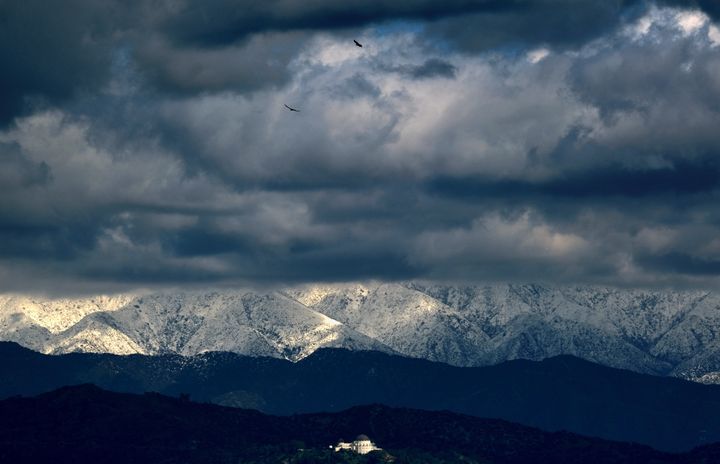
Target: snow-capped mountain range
(661, 332)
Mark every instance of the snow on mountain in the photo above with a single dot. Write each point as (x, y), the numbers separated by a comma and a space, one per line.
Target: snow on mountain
(711, 378)
(661, 332)
(475, 325)
(183, 323)
(408, 321)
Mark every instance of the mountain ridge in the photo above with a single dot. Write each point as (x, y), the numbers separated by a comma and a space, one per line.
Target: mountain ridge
(559, 393)
(660, 332)
(87, 424)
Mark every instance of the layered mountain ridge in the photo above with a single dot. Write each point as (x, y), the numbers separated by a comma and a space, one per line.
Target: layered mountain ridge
(120, 428)
(559, 393)
(660, 332)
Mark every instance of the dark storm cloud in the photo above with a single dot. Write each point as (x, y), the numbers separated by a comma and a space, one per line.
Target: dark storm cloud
(214, 45)
(609, 182)
(222, 45)
(52, 51)
(432, 67)
(218, 22)
(474, 24)
(622, 78)
(562, 23)
(155, 149)
(680, 263)
(261, 61)
(198, 241)
(225, 45)
(151, 273)
(46, 242)
(710, 7)
(248, 254)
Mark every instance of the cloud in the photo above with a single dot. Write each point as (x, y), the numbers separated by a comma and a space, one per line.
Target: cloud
(261, 61)
(680, 263)
(221, 45)
(584, 156)
(50, 53)
(431, 68)
(16, 171)
(559, 23)
(710, 7)
(608, 183)
(496, 248)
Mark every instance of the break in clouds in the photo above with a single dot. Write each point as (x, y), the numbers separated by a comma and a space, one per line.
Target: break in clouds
(147, 143)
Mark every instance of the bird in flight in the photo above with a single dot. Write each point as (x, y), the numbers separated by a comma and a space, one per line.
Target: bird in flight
(292, 109)
(357, 43)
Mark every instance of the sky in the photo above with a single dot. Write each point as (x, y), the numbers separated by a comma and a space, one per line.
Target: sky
(145, 143)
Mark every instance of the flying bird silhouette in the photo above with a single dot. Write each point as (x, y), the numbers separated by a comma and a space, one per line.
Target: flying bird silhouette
(357, 43)
(292, 109)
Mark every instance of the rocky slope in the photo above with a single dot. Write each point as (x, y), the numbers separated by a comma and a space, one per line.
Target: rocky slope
(661, 332)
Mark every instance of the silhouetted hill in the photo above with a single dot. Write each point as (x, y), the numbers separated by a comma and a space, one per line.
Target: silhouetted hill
(562, 393)
(86, 424)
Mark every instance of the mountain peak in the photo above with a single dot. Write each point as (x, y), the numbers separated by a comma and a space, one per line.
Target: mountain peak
(659, 332)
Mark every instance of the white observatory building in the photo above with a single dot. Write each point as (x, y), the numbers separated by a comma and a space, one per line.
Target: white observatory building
(361, 445)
